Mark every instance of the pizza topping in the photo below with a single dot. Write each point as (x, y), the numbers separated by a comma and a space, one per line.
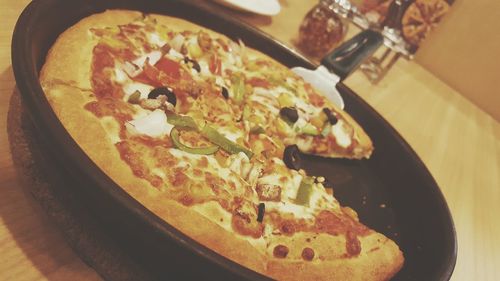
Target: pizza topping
(194, 64)
(309, 129)
(291, 157)
(152, 104)
(268, 192)
(240, 164)
(167, 66)
(130, 69)
(237, 88)
(174, 135)
(177, 42)
(331, 117)
(342, 138)
(151, 58)
(353, 245)
(289, 114)
(154, 124)
(205, 41)
(155, 39)
(244, 218)
(215, 137)
(307, 254)
(163, 91)
(285, 100)
(182, 121)
(261, 210)
(165, 48)
(280, 251)
(135, 97)
(193, 48)
(305, 191)
(287, 227)
(257, 130)
(143, 89)
(225, 93)
(326, 130)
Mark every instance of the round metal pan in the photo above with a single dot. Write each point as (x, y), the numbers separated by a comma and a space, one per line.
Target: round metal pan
(392, 192)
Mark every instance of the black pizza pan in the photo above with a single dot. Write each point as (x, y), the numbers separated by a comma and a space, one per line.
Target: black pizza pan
(393, 192)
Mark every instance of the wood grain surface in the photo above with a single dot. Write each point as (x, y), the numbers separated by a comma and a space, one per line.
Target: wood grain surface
(464, 51)
(459, 143)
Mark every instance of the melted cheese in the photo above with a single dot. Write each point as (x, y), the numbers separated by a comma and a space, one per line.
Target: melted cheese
(155, 39)
(120, 75)
(237, 161)
(131, 87)
(230, 134)
(262, 96)
(174, 54)
(112, 128)
(205, 71)
(212, 211)
(341, 136)
(298, 211)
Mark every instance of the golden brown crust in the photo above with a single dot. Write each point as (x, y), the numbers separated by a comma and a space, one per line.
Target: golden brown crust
(65, 78)
(380, 259)
(69, 59)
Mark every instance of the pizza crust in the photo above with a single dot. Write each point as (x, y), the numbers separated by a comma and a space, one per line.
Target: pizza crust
(68, 60)
(65, 79)
(380, 259)
(365, 145)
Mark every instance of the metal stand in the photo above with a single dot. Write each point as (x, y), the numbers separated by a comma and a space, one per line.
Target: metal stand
(375, 68)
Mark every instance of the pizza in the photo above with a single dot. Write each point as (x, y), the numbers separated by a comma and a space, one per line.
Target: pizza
(208, 134)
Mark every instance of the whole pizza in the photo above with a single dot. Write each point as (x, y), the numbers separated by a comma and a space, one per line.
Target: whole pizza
(208, 134)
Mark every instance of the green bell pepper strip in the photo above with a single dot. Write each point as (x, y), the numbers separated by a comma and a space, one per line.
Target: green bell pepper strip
(326, 130)
(207, 150)
(238, 88)
(182, 121)
(305, 191)
(309, 129)
(215, 137)
(275, 81)
(246, 112)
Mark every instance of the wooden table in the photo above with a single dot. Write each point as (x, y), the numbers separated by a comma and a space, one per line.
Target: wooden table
(458, 142)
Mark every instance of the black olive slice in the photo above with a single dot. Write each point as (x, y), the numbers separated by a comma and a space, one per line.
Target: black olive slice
(326, 183)
(291, 157)
(290, 113)
(332, 119)
(196, 65)
(225, 93)
(261, 210)
(171, 98)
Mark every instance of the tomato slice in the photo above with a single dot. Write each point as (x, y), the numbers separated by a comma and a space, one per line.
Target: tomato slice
(259, 82)
(215, 65)
(169, 67)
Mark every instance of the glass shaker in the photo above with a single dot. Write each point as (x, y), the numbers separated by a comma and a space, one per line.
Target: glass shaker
(321, 30)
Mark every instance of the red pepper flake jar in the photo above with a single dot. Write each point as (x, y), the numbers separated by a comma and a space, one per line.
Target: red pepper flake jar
(321, 30)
